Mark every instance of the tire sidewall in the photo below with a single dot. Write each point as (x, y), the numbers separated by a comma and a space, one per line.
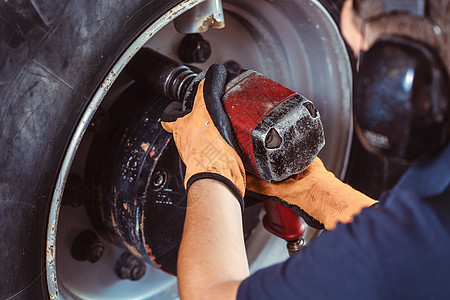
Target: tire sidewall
(54, 55)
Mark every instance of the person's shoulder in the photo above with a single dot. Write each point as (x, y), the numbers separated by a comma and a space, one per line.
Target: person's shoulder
(429, 177)
(408, 235)
(423, 193)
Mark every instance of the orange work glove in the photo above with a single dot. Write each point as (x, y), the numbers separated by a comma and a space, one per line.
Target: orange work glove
(318, 196)
(204, 136)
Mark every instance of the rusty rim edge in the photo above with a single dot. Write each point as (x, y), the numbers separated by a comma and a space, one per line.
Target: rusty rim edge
(52, 282)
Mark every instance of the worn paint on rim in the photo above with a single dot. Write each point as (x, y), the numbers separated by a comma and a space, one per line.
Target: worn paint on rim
(52, 282)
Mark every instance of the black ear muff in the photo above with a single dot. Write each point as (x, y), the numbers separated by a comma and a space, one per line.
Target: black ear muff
(401, 101)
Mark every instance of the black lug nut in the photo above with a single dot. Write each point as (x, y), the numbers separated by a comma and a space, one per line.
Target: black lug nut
(295, 246)
(232, 67)
(76, 193)
(194, 49)
(101, 123)
(87, 247)
(130, 267)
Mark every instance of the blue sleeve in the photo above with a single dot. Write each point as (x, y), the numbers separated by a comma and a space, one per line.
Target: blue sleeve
(398, 250)
(326, 269)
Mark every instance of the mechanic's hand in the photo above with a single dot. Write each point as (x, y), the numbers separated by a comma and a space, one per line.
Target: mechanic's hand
(318, 196)
(204, 136)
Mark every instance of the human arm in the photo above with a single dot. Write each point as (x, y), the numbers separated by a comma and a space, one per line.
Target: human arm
(396, 250)
(203, 146)
(212, 260)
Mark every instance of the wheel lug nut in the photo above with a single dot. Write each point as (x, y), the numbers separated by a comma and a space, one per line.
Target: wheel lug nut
(76, 192)
(194, 49)
(295, 246)
(159, 179)
(232, 67)
(130, 267)
(87, 247)
(101, 123)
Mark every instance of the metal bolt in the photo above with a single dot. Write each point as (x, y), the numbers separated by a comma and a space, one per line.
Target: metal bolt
(295, 246)
(194, 49)
(101, 123)
(130, 267)
(76, 193)
(232, 67)
(159, 179)
(87, 247)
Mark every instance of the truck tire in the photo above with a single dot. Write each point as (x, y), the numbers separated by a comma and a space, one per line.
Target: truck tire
(53, 56)
(59, 59)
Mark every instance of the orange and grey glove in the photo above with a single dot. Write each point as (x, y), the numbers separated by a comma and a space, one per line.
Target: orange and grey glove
(204, 136)
(317, 196)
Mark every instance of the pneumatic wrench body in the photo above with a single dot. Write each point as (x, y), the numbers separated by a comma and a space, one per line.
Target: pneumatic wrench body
(278, 131)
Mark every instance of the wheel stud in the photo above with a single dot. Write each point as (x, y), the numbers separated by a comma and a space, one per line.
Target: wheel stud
(101, 123)
(130, 267)
(159, 179)
(76, 192)
(194, 49)
(232, 67)
(87, 247)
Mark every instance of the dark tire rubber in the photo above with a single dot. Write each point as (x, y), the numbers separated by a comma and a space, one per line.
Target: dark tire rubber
(53, 56)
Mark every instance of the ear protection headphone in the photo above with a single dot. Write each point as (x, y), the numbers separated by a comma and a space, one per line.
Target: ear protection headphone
(402, 96)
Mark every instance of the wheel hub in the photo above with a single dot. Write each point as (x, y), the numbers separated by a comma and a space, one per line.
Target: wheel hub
(294, 42)
(136, 178)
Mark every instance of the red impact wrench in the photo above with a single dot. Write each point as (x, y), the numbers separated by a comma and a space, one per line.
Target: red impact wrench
(279, 132)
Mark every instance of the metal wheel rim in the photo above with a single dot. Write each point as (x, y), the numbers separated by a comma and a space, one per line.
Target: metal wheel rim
(261, 239)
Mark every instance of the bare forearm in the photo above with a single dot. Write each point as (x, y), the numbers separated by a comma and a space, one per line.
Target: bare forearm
(212, 260)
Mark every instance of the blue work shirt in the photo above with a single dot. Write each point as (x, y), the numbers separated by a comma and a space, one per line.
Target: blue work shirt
(399, 249)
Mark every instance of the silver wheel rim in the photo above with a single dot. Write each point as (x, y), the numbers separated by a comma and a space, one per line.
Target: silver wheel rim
(261, 245)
